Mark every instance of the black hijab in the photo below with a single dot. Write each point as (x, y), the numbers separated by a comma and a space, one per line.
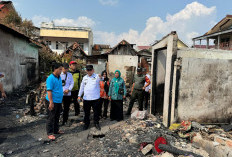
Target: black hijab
(106, 87)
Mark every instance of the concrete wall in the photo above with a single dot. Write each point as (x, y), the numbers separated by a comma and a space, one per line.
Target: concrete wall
(205, 85)
(14, 53)
(118, 62)
(98, 68)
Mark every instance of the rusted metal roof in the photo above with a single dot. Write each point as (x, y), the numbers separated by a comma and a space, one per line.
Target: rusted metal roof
(123, 42)
(143, 47)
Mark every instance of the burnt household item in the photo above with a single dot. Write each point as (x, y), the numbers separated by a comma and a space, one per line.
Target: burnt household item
(31, 100)
(175, 151)
(227, 127)
(158, 141)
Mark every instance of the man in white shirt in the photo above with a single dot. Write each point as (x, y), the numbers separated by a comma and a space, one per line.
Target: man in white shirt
(90, 86)
(67, 83)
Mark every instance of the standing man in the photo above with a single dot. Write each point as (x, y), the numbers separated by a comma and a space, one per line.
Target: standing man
(54, 101)
(67, 83)
(137, 90)
(90, 86)
(77, 80)
(3, 94)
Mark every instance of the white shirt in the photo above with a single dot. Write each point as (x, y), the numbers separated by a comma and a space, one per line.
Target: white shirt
(148, 87)
(69, 82)
(90, 86)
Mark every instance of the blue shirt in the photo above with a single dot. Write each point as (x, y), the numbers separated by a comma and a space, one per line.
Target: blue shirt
(54, 84)
(90, 86)
(68, 78)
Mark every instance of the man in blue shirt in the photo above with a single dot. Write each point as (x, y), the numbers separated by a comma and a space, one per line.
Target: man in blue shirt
(90, 86)
(54, 101)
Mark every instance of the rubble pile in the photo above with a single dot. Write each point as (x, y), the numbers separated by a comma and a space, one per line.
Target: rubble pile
(136, 137)
(36, 100)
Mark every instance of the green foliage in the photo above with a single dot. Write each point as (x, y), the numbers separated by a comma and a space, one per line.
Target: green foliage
(13, 18)
(28, 28)
(46, 57)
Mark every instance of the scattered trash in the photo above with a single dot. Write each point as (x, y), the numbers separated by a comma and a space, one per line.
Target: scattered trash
(227, 128)
(174, 126)
(9, 152)
(17, 116)
(1, 155)
(46, 150)
(40, 139)
(216, 143)
(139, 114)
(147, 149)
(158, 141)
(199, 127)
(166, 154)
(142, 145)
(175, 151)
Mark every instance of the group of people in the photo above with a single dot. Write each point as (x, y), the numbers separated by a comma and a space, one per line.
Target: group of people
(65, 85)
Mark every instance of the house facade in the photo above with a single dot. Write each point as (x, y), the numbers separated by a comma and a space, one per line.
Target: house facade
(18, 58)
(221, 34)
(59, 38)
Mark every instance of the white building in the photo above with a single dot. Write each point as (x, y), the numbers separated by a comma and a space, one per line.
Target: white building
(59, 38)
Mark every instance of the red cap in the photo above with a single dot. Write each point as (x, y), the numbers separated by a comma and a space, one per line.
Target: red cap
(72, 62)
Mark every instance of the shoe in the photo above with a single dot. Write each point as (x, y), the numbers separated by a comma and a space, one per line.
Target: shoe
(85, 127)
(51, 137)
(97, 126)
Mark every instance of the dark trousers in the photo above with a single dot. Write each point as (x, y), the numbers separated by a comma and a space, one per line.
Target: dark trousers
(53, 119)
(66, 106)
(106, 102)
(147, 96)
(74, 95)
(116, 110)
(87, 108)
(139, 94)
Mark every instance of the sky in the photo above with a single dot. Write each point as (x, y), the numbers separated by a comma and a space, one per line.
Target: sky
(140, 22)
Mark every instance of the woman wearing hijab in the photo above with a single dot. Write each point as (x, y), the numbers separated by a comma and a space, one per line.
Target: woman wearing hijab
(117, 93)
(104, 89)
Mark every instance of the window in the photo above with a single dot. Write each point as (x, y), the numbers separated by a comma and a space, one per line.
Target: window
(57, 45)
(48, 43)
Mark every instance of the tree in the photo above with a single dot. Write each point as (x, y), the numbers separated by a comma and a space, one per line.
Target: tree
(28, 28)
(13, 19)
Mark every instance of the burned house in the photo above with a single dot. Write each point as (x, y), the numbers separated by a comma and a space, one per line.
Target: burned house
(220, 34)
(190, 84)
(123, 57)
(18, 58)
(144, 54)
(74, 52)
(98, 58)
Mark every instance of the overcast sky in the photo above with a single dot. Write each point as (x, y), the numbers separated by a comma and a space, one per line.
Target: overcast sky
(139, 22)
